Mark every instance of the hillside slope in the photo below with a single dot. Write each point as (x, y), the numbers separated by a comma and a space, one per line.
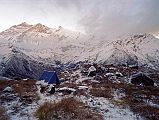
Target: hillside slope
(47, 45)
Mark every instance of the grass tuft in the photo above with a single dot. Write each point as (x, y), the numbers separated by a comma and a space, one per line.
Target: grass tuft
(66, 109)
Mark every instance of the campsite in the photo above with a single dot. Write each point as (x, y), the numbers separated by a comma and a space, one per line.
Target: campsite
(71, 91)
(79, 60)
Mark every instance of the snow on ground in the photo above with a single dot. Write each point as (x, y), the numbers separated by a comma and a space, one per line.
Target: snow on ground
(107, 109)
(78, 85)
(18, 110)
(101, 104)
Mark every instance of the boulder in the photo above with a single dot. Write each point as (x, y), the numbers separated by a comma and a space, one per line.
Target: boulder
(52, 91)
(8, 89)
(91, 71)
(118, 74)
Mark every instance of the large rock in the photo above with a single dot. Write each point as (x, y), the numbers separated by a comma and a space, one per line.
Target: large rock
(8, 89)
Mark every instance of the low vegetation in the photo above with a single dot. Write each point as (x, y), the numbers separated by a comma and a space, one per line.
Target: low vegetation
(66, 109)
(25, 89)
(141, 100)
(98, 92)
(3, 114)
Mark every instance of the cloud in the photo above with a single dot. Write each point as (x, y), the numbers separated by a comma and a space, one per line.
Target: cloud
(100, 17)
(115, 18)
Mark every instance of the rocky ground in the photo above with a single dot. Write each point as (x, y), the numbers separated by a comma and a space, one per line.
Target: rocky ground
(108, 95)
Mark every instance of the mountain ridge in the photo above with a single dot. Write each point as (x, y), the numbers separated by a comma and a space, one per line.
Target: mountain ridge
(50, 44)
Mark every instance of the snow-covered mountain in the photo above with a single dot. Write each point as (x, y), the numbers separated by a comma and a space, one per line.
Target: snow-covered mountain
(40, 41)
(44, 44)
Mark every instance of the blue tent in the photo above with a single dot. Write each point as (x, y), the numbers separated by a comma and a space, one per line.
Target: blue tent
(50, 77)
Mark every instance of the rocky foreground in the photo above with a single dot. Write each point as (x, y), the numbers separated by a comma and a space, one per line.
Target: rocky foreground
(107, 95)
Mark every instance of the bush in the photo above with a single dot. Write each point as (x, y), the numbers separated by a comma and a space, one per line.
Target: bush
(66, 109)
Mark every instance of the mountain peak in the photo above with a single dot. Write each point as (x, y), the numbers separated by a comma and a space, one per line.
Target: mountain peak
(24, 24)
(39, 28)
(39, 25)
(60, 27)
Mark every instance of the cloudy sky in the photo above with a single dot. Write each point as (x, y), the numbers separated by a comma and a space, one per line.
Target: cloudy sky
(101, 17)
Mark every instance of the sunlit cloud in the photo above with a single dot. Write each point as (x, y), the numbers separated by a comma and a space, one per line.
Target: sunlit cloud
(99, 17)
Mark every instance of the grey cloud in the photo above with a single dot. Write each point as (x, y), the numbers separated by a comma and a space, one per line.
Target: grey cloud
(100, 17)
(115, 18)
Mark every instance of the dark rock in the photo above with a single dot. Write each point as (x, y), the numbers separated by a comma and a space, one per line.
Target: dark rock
(92, 73)
(43, 89)
(134, 67)
(52, 91)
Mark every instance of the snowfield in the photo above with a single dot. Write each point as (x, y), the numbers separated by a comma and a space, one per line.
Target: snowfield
(49, 44)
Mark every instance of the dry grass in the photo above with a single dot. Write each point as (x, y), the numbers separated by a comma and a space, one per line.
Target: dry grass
(98, 92)
(18, 85)
(26, 90)
(66, 109)
(69, 85)
(148, 112)
(134, 98)
(3, 114)
(104, 88)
